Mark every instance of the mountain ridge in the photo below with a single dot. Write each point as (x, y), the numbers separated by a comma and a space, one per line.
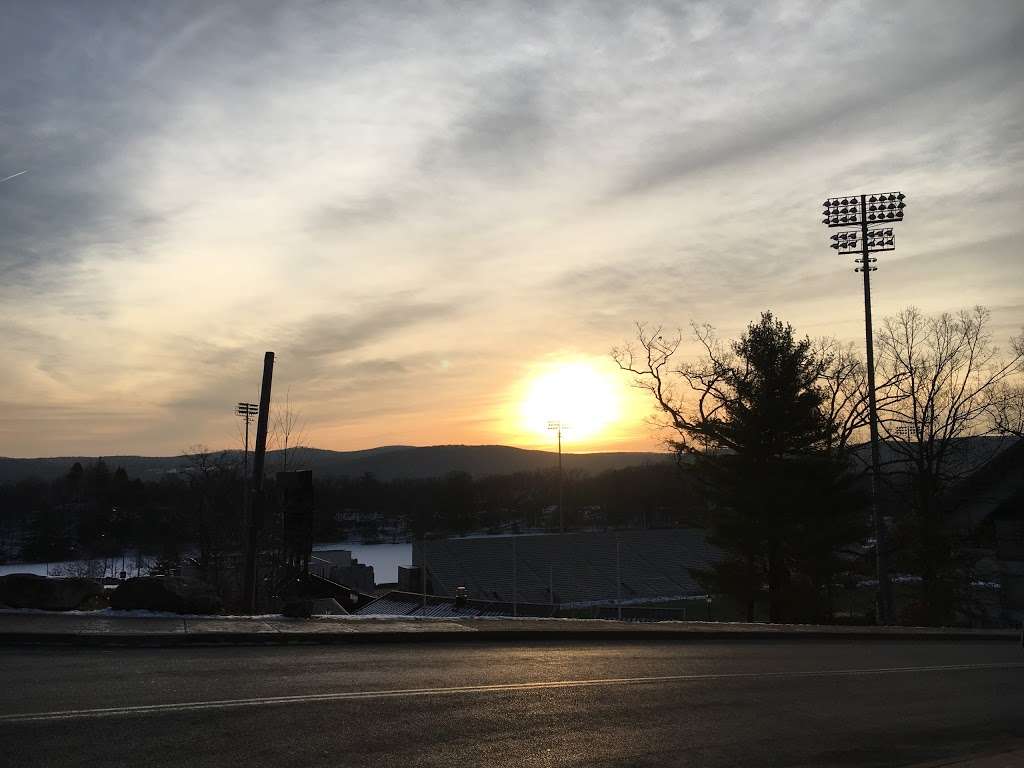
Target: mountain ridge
(385, 462)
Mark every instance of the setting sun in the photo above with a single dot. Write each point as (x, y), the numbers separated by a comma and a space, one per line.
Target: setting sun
(581, 397)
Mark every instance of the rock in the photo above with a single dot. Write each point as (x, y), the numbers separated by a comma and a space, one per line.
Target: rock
(29, 590)
(166, 593)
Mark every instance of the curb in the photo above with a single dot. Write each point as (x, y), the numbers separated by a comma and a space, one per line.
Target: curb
(214, 639)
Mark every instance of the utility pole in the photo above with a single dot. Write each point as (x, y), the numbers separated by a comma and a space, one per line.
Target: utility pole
(255, 510)
(864, 210)
(558, 426)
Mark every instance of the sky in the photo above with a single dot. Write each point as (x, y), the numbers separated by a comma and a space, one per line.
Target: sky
(423, 208)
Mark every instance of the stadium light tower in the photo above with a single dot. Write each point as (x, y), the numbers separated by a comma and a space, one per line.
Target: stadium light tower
(248, 411)
(559, 426)
(864, 211)
(905, 432)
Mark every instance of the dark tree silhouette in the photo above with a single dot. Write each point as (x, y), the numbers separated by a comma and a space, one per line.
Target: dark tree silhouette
(213, 484)
(763, 429)
(946, 381)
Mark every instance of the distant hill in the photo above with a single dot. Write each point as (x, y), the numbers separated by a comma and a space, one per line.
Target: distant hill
(386, 463)
(404, 461)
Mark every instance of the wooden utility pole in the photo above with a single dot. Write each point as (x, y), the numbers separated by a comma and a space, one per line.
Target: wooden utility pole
(255, 511)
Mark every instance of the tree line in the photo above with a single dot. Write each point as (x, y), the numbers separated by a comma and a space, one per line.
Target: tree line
(96, 512)
(774, 424)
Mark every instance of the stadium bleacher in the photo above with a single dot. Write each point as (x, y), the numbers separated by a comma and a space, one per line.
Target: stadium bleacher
(569, 568)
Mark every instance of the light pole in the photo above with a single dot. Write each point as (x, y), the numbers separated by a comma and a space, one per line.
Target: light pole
(423, 571)
(248, 411)
(558, 426)
(515, 601)
(905, 432)
(865, 210)
(618, 579)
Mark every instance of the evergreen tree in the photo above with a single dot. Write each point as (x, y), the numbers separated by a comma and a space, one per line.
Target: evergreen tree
(47, 540)
(761, 432)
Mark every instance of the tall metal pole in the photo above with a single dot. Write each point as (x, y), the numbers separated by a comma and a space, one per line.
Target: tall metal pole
(259, 456)
(245, 469)
(884, 597)
(515, 603)
(561, 514)
(618, 579)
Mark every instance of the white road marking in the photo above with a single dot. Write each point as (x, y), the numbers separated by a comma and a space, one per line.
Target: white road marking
(192, 706)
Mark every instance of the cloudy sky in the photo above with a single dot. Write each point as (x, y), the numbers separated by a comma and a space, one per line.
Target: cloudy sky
(420, 207)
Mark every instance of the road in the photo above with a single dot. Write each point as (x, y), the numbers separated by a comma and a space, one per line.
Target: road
(548, 704)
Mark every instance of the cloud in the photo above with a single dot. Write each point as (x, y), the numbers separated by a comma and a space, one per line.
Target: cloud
(364, 211)
(831, 90)
(504, 131)
(372, 189)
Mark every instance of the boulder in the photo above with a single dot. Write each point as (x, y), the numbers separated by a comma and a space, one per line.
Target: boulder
(29, 590)
(166, 593)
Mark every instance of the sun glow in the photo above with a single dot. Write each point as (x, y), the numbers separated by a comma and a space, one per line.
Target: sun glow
(578, 395)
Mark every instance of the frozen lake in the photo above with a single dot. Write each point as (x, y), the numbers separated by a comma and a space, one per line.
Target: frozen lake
(61, 568)
(385, 559)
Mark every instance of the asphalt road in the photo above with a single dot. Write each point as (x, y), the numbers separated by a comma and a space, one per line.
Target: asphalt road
(548, 704)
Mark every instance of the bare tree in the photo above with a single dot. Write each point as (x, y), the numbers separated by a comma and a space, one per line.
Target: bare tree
(1006, 401)
(944, 383)
(691, 397)
(944, 379)
(217, 515)
(91, 568)
(844, 379)
(288, 433)
(1007, 409)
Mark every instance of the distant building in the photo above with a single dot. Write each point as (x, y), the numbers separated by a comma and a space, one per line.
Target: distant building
(570, 569)
(339, 566)
(987, 511)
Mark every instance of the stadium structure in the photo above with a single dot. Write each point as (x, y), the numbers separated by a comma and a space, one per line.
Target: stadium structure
(570, 569)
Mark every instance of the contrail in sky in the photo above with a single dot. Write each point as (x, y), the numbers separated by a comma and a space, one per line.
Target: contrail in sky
(13, 175)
